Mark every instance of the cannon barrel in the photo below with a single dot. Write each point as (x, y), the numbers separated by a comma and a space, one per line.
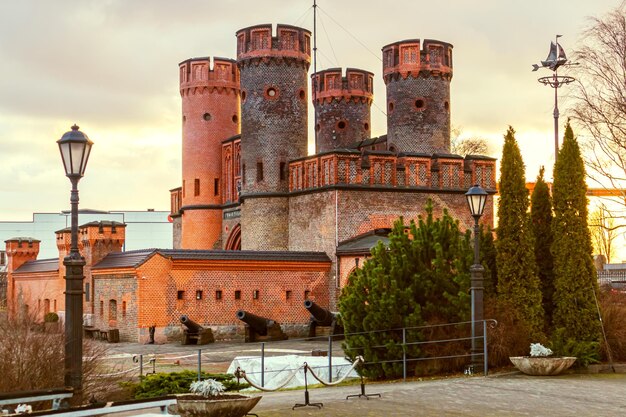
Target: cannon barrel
(191, 325)
(322, 316)
(257, 323)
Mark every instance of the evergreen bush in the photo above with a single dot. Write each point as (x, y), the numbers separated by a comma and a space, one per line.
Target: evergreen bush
(421, 277)
(160, 384)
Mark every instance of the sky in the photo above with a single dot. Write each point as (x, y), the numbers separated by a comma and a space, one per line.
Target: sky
(111, 66)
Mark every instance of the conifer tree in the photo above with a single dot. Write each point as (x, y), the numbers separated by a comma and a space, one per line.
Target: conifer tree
(420, 276)
(575, 316)
(541, 220)
(518, 284)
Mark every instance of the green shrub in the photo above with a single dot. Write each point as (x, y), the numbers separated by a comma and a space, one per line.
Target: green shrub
(51, 317)
(586, 352)
(156, 385)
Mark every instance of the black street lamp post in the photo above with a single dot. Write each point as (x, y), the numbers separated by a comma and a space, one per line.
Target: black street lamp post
(75, 147)
(476, 199)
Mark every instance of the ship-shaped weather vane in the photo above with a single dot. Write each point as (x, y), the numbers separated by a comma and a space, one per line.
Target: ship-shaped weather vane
(556, 58)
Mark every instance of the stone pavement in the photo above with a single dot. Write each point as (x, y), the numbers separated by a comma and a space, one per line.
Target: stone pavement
(505, 395)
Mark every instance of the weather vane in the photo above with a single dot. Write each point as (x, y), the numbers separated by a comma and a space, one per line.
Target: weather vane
(556, 58)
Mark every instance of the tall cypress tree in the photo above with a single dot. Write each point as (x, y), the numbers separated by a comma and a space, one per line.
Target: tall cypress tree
(518, 283)
(575, 315)
(541, 220)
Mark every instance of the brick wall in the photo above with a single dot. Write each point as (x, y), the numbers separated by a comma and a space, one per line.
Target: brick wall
(312, 223)
(265, 223)
(158, 281)
(39, 293)
(115, 297)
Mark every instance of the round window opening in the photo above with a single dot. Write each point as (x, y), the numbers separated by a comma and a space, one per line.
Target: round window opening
(317, 127)
(235, 118)
(419, 104)
(446, 105)
(206, 116)
(366, 126)
(271, 92)
(243, 95)
(390, 106)
(302, 94)
(341, 125)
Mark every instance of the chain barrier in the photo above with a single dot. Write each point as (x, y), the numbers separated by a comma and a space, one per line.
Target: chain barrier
(240, 373)
(357, 361)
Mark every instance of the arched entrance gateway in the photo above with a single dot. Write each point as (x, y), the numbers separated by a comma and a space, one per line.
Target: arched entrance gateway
(234, 240)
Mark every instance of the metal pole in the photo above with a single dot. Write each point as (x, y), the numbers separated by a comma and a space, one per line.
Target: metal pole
(330, 358)
(262, 364)
(74, 263)
(476, 290)
(404, 354)
(556, 116)
(199, 364)
(140, 366)
(485, 358)
(315, 71)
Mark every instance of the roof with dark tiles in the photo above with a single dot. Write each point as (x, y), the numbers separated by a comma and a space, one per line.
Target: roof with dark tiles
(363, 244)
(42, 265)
(133, 259)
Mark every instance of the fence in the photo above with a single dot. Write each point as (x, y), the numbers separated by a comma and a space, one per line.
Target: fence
(406, 341)
(616, 279)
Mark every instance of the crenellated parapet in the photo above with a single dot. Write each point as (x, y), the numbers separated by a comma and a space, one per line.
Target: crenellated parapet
(357, 85)
(385, 169)
(256, 44)
(197, 74)
(408, 57)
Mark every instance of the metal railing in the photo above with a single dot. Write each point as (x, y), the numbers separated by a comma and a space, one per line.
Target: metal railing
(407, 339)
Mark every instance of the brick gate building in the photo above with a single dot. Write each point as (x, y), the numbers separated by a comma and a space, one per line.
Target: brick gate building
(259, 224)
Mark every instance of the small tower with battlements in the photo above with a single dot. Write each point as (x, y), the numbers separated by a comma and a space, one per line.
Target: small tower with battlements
(273, 70)
(417, 75)
(211, 113)
(343, 107)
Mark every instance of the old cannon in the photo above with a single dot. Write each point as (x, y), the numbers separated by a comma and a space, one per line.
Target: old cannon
(194, 334)
(260, 328)
(323, 322)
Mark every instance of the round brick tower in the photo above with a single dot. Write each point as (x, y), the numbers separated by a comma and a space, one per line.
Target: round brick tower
(273, 127)
(210, 101)
(418, 95)
(343, 107)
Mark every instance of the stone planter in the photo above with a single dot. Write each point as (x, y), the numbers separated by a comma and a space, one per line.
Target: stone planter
(227, 405)
(542, 365)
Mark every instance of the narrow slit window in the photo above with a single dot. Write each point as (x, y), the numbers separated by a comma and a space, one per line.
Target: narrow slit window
(196, 187)
(216, 186)
(282, 171)
(259, 171)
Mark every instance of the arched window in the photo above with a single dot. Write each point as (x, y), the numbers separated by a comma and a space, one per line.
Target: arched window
(112, 310)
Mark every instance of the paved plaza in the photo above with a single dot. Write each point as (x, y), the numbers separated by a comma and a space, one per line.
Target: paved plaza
(503, 394)
(506, 395)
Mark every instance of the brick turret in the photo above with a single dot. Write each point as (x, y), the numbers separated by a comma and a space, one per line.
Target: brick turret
(273, 127)
(210, 107)
(343, 107)
(19, 250)
(418, 95)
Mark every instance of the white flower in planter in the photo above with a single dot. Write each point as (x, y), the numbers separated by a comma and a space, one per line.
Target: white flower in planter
(538, 350)
(208, 387)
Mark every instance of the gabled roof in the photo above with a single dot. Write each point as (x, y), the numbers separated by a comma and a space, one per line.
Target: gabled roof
(42, 265)
(244, 255)
(133, 259)
(363, 244)
(130, 259)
